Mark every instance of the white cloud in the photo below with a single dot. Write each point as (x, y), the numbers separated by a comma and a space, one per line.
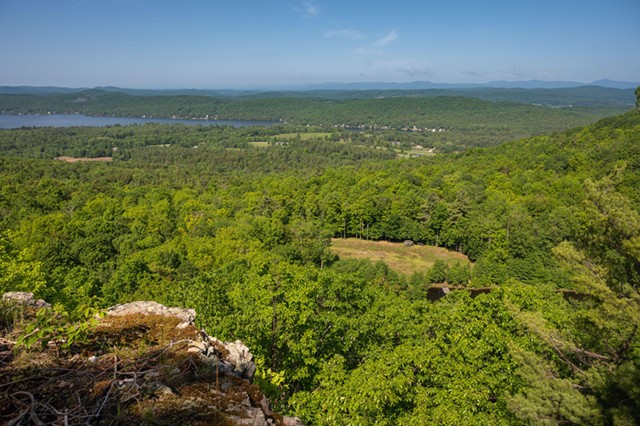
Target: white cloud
(386, 40)
(311, 9)
(376, 48)
(346, 33)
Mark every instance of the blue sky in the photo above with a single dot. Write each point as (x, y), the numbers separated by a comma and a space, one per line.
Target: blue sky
(218, 44)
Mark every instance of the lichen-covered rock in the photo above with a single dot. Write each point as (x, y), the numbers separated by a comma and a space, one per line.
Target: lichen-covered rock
(240, 358)
(233, 357)
(187, 316)
(26, 299)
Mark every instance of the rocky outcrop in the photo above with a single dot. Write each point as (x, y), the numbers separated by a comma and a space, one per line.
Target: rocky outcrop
(142, 363)
(292, 421)
(187, 316)
(25, 299)
(232, 357)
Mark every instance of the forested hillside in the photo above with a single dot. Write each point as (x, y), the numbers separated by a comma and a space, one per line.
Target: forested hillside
(578, 95)
(464, 121)
(237, 224)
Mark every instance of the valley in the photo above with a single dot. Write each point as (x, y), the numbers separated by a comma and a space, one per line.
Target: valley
(291, 238)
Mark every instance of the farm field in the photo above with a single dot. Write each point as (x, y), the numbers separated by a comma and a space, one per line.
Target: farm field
(402, 259)
(83, 159)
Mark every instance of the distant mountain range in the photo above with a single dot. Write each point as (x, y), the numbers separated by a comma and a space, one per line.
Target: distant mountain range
(414, 85)
(421, 85)
(602, 93)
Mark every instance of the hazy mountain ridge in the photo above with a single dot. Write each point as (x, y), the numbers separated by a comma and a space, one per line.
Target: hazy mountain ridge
(525, 84)
(413, 85)
(593, 95)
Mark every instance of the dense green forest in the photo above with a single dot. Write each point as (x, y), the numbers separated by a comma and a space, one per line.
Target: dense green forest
(444, 119)
(237, 224)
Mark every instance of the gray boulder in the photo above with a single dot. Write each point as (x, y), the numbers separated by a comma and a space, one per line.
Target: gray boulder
(240, 358)
(187, 316)
(25, 299)
(234, 357)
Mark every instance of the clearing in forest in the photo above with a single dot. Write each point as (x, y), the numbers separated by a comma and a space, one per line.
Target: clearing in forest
(400, 258)
(261, 144)
(83, 159)
(302, 136)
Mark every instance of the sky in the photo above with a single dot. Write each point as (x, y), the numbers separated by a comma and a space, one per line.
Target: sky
(252, 43)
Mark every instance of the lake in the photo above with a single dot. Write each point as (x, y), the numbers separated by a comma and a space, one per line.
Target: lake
(8, 121)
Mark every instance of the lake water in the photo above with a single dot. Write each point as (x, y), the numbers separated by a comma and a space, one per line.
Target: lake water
(8, 121)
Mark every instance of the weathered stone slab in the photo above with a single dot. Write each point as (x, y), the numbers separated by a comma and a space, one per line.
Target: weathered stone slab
(187, 316)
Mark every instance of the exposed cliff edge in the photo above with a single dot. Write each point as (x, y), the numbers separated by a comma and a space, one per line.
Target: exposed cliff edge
(142, 363)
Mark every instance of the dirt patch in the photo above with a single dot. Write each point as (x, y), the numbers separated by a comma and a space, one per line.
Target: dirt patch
(83, 159)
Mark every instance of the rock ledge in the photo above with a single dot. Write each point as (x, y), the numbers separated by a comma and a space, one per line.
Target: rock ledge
(187, 316)
(142, 361)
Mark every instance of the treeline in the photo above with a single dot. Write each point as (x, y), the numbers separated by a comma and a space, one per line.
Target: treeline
(242, 234)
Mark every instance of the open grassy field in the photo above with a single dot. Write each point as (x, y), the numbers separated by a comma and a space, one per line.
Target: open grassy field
(414, 153)
(406, 260)
(259, 144)
(83, 159)
(303, 136)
